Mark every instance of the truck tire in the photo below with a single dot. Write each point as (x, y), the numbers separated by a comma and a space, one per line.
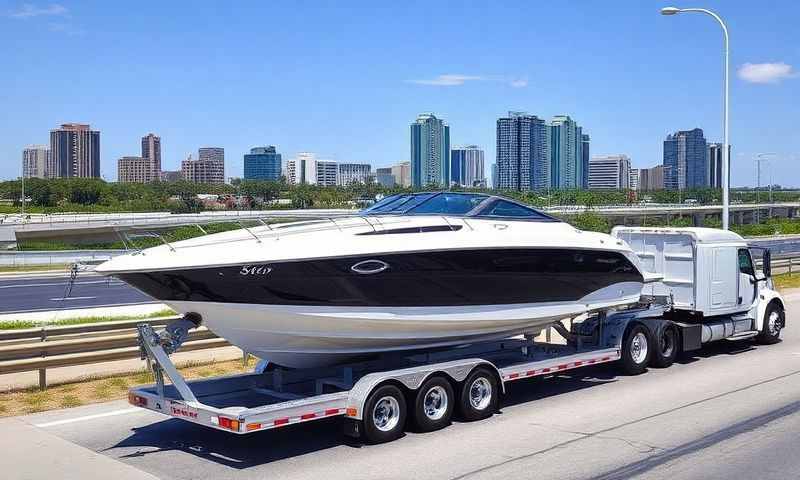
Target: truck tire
(384, 415)
(479, 395)
(433, 405)
(636, 350)
(665, 350)
(774, 320)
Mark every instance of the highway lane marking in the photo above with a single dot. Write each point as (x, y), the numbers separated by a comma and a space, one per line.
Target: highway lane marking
(124, 411)
(61, 284)
(71, 298)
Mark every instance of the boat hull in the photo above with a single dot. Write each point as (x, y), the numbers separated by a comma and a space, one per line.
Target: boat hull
(308, 336)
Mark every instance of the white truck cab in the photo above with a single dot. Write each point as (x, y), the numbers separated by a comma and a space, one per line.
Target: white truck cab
(707, 274)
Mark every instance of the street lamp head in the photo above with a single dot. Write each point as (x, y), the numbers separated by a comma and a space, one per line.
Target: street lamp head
(670, 10)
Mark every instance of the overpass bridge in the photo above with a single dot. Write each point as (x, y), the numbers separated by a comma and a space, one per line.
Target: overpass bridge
(103, 227)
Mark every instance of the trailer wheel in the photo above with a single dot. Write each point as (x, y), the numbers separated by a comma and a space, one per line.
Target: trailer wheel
(384, 415)
(479, 395)
(433, 405)
(666, 348)
(636, 350)
(774, 320)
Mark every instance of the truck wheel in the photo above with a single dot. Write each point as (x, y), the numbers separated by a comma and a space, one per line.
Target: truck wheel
(636, 350)
(666, 349)
(433, 406)
(384, 415)
(774, 320)
(479, 395)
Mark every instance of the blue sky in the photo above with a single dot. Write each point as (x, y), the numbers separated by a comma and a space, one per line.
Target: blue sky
(345, 79)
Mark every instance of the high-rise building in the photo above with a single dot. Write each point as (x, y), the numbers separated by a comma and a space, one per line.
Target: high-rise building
(609, 172)
(715, 164)
(495, 175)
(75, 150)
(327, 173)
(633, 179)
(135, 170)
(37, 162)
(151, 150)
(262, 163)
(685, 160)
(208, 168)
(302, 169)
(354, 173)
(651, 179)
(466, 166)
(402, 174)
(567, 163)
(523, 153)
(384, 177)
(430, 151)
(585, 154)
(306, 169)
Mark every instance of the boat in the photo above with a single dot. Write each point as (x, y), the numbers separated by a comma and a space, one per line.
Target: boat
(412, 271)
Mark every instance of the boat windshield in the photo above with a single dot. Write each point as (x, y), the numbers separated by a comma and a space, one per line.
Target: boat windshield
(455, 203)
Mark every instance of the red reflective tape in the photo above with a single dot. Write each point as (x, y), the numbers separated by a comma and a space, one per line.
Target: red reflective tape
(562, 367)
(578, 364)
(332, 411)
(605, 358)
(513, 375)
(306, 416)
(546, 370)
(280, 421)
(530, 373)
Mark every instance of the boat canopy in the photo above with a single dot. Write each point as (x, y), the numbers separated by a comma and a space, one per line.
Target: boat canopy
(456, 204)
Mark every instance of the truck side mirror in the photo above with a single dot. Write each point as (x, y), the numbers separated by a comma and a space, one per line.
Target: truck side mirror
(766, 262)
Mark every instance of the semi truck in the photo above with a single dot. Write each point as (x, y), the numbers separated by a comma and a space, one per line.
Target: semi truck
(701, 286)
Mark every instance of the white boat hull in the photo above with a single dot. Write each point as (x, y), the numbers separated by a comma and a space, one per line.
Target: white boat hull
(307, 336)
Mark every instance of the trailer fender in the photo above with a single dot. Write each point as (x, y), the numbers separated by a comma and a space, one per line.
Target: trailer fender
(765, 297)
(411, 379)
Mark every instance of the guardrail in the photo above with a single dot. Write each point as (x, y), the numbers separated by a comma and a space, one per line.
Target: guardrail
(55, 257)
(66, 346)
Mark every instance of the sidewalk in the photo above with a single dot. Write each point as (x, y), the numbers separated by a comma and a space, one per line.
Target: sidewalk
(67, 374)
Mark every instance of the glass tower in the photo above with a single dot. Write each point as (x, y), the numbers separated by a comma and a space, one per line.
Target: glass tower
(262, 163)
(430, 151)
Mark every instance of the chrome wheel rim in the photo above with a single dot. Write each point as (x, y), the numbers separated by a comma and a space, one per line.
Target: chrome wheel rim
(386, 414)
(773, 323)
(639, 348)
(435, 402)
(480, 393)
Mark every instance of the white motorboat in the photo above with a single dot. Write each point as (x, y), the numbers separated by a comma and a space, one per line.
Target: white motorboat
(412, 271)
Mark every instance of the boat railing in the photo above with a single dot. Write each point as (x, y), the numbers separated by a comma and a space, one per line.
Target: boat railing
(128, 237)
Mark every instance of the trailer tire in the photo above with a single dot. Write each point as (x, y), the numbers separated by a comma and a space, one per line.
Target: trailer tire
(774, 320)
(479, 395)
(665, 350)
(433, 405)
(636, 350)
(384, 414)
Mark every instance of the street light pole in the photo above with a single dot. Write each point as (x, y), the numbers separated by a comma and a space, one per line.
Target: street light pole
(725, 155)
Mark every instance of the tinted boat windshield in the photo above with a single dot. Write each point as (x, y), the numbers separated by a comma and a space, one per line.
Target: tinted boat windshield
(452, 203)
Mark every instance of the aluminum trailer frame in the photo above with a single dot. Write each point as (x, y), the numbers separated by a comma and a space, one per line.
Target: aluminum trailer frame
(266, 400)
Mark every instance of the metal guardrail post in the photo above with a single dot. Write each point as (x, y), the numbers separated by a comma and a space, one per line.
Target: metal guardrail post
(43, 371)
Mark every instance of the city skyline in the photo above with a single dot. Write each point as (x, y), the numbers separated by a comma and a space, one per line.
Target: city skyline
(462, 79)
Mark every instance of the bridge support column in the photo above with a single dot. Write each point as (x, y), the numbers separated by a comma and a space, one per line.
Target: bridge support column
(698, 219)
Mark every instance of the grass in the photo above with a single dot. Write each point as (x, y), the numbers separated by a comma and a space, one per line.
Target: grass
(96, 389)
(786, 280)
(32, 268)
(20, 324)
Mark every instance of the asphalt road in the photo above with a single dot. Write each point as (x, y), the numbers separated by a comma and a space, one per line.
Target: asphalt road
(42, 293)
(731, 411)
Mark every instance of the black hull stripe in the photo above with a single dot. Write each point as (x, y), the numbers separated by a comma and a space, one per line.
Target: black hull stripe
(435, 278)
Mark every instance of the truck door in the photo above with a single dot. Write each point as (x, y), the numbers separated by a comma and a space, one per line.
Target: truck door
(747, 287)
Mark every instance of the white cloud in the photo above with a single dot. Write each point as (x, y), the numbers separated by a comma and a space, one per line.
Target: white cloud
(766, 72)
(454, 80)
(448, 80)
(29, 11)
